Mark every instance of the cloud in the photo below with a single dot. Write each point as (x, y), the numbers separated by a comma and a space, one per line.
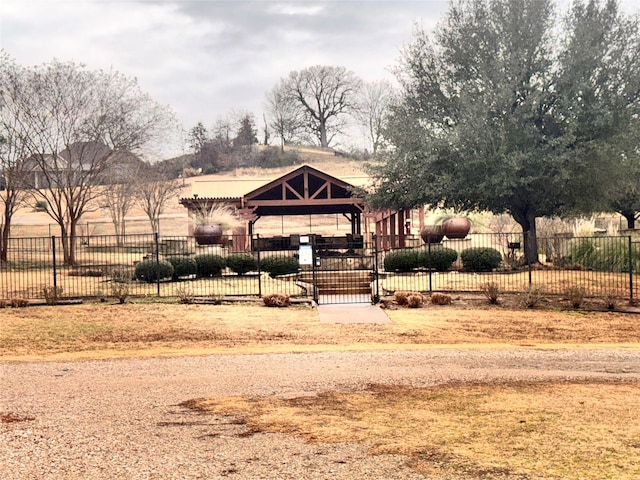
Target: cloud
(207, 57)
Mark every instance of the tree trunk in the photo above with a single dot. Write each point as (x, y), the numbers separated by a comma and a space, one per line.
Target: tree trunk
(72, 243)
(527, 220)
(323, 135)
(68, 239)
(630, 217)
(118, 225)
(4, 247)
(64, 240)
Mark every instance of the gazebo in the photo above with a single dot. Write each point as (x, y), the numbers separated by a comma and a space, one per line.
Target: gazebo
(303, 191)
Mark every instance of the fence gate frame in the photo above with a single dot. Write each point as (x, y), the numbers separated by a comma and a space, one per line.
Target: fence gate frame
(344, 278)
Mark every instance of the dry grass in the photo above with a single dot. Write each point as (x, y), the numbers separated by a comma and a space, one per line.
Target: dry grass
(97, 330)
(542, 431)
(494, 431)
(556, 282)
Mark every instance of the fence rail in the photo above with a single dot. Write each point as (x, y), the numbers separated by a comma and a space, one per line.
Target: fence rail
(104, 265)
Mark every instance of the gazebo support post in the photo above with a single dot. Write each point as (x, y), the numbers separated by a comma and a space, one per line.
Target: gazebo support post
(401, 232)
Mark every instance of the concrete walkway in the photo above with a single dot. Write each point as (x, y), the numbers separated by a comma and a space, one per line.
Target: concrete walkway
(352, 313)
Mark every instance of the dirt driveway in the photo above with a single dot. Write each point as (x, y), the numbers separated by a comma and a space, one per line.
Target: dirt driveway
(121, 419)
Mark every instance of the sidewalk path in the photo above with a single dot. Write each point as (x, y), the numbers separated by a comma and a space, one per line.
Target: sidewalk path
(352, 313)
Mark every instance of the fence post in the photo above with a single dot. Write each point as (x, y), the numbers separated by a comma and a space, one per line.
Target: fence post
(55, 271)
(430, 269)
(257, 244)
(527, 243)
(631, 300)
(157, 245)
(376, 276)
(314, 272)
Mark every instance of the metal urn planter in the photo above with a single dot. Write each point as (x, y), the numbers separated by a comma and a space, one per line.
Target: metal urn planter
(456, 227)
(208, 234)
(432, 233)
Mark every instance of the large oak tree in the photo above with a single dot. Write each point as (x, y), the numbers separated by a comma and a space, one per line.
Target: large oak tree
(506, 109)
(322, 96)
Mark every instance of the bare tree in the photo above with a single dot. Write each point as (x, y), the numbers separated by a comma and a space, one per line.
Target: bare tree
(121, 179)
(12, 155)
(324, 95)
(373, 108)
(154, 192)
(285, 117)
(78, 119)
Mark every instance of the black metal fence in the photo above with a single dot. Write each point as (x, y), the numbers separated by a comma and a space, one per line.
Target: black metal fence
(603, 266)
(337, 270)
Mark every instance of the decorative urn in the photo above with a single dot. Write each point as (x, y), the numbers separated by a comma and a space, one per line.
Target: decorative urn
(208, 234)
(456, 227)
(432, 234)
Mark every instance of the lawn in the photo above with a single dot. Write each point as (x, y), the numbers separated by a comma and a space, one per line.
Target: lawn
(98, 330)
(491, 430)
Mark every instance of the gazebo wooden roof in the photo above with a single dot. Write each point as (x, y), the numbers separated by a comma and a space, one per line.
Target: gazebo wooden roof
(303, 191)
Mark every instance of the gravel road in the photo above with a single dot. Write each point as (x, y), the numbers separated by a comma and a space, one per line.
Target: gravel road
(120, 419)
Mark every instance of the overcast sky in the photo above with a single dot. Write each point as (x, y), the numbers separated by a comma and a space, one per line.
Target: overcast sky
(206, 58)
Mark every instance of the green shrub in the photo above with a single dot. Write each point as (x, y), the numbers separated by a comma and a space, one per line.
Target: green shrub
(439, 259)
(279, 265)
(152, 270)
(183, 266)
(605, 254)
(209, 265)
(242, 263)
(402, 260)
(480, 259)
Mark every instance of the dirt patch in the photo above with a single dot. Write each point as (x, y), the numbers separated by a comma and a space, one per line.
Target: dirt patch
(10, 417)
(479, 431)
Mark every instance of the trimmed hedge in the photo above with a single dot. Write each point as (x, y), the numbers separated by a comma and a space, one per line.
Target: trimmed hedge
(280, 265)
(480, 259)
(402, 260)
(183, 266)
(151, 271)
(242, 263)
(209, 265)
(440, 259)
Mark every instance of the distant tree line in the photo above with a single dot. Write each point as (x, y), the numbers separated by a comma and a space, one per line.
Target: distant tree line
(228, 145)
(313, 106)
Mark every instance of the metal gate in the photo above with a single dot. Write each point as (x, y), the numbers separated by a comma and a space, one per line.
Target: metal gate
(340, 275)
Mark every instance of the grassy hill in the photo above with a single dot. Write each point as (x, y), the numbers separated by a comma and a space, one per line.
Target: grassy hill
(174, 221)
